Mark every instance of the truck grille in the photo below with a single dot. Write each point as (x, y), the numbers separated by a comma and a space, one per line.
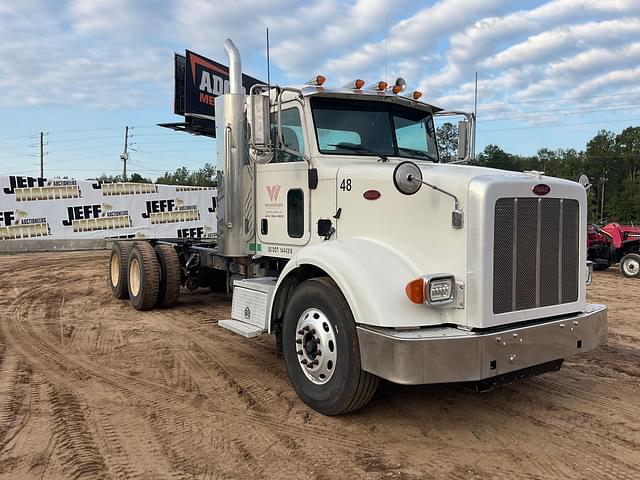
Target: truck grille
(535, 253)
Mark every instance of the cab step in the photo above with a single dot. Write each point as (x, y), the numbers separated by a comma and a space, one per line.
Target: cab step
(241, 328)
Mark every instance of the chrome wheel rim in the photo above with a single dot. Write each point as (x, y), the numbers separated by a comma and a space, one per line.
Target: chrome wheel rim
(316, 346)
(115, 269)
(134, 277)
(631, 266)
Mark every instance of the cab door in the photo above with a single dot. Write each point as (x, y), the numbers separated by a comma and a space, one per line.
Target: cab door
(282, 193)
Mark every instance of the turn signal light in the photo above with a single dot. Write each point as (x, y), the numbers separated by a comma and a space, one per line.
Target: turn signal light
(415, 290)
(318, 80)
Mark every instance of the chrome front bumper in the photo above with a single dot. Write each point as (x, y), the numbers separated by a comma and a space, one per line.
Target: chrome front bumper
(447, 354)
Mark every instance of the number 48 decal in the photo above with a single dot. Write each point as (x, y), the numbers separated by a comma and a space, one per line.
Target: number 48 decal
(345, 185)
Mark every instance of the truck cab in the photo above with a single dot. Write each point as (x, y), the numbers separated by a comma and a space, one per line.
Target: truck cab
(368, 258)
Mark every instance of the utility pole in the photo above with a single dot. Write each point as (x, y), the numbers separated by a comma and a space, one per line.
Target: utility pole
(475, 118)
(604, 181)
(125, 155)
(41, 154)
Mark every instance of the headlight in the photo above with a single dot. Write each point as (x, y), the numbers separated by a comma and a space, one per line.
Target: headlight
(434, 290)
(440, 290)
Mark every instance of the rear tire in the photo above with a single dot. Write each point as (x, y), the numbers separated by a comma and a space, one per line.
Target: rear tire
(119, 269)
(630, 265)
(318, 314)
(169, 276)
(144, 276)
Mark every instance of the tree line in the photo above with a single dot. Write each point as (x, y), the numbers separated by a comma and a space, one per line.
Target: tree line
(612, 163)
(203, 177)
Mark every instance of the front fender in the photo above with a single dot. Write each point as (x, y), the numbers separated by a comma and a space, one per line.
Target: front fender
(372, 277)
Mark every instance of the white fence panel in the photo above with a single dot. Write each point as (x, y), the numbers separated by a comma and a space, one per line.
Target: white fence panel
(66, 209)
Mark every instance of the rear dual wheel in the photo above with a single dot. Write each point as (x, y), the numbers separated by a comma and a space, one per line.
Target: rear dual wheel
(149, 276)
(170, 276)
(119, 269)
(144, 276)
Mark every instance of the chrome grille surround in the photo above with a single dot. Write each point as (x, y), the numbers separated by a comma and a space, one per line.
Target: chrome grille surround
(536, 253)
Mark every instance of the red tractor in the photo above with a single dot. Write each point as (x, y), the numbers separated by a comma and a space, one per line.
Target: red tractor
(615, 243)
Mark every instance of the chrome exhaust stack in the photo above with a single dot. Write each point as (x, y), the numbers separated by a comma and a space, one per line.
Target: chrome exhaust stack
(235, 193)
(235, 67)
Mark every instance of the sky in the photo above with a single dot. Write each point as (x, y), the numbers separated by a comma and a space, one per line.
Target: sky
(550, 73)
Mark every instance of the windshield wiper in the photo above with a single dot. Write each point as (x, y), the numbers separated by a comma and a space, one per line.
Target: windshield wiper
(358, 148)
(418, 153)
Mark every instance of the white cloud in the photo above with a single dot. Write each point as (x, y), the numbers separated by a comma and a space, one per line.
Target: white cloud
(117, 53)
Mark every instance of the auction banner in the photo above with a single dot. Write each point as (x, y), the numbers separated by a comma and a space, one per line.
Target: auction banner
(68, 209)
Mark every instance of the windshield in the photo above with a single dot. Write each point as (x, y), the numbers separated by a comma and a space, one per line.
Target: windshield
(361, 127)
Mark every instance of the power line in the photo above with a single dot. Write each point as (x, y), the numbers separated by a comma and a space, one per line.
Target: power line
(561, 111)
(33, 135)
(86, 147)
(550, 125)
(85, 139)
(100, 129)
(551, 100)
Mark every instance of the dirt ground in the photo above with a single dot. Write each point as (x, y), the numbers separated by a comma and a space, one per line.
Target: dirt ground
(91, 388)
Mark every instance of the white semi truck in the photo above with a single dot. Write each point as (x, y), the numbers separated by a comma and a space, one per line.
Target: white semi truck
(342, 234)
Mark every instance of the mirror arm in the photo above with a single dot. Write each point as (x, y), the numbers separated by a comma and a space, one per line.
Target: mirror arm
(457, 216)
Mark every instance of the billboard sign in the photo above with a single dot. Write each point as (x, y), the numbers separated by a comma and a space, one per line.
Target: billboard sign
(204, 81)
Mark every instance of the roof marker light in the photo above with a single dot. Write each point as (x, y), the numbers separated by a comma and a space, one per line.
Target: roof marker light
(380, 86)
(357, 84)
(415, 95)
(318, 80)
(399, 86)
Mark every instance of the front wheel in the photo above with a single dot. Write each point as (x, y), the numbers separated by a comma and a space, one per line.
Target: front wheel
(321, 350)
(630, 265)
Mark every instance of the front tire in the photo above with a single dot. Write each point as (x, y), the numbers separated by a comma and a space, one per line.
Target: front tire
(144, 276)
(630, 265)
(318, 319)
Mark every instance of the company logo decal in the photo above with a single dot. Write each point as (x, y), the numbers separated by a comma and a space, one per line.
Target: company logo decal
(32, 188)
(541, 189)
(15, 224)
(247, 313)
(125, 188)
(170, 211)
(88, 218)
(273, 191)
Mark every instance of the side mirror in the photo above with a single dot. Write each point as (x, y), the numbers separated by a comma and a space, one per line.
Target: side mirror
(584, 181)
(260, 145)
(463, 140)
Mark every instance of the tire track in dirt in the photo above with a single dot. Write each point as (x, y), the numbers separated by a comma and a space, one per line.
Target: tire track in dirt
(58, 363)
(75, 446)
(586, 396)
(207, 430)
(10, 396)
(174, 401)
